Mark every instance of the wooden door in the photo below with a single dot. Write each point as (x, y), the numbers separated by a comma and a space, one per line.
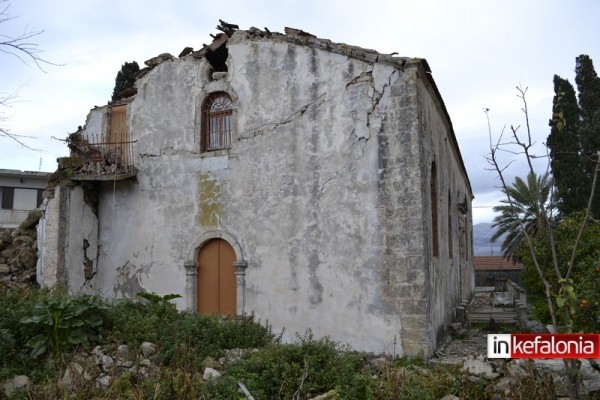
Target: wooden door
(216, 279)
(118, 134)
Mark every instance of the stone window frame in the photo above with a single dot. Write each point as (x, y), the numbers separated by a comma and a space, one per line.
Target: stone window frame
(209, 88)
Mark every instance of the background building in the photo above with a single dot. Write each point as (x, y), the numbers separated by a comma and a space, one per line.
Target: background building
(20, 192)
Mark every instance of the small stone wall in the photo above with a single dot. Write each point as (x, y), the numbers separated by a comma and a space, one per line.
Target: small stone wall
(517, 292)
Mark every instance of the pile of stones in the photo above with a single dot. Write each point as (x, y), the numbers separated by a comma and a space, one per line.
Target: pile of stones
(100, 366)
(504, 375)
(19, 252)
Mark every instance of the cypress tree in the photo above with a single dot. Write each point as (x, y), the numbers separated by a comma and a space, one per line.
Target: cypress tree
(125, 78)
(564, 144)
(588, 86)
(574, 138)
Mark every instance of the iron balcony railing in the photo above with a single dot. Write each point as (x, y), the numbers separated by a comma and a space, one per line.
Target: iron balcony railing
(102, 158)
(113, 157)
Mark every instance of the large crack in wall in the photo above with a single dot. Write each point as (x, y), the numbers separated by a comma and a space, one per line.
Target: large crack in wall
(270, 127)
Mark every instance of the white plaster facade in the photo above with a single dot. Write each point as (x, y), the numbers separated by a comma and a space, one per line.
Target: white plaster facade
(324, 194)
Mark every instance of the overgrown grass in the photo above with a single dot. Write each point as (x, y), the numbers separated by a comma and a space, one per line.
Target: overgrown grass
(183, 338)
(301, 370)
(187, 343)
(14, 354)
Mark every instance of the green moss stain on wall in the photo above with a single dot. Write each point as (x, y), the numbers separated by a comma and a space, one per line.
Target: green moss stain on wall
(210, 206)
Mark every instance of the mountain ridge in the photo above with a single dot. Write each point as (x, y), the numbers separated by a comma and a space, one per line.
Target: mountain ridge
(482, 245)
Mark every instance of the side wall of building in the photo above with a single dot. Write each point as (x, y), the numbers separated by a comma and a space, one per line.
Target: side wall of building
(450, 273)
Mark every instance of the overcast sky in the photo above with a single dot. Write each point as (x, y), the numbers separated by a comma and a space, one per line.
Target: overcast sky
(478, 50)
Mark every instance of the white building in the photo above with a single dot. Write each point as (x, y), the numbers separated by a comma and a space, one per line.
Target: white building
(20, 192)
(314, 184)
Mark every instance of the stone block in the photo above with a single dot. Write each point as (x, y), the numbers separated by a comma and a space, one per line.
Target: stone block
(417, 335)
(147, 349)
(480, 368)
(211, 374)
(413, 307)
(415, 348)
(21, 382)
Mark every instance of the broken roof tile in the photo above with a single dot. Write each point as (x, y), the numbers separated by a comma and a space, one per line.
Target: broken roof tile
(297, 32)
(186, 51)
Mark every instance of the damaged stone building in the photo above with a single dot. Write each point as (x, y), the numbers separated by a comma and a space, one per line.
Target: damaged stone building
(313, 184)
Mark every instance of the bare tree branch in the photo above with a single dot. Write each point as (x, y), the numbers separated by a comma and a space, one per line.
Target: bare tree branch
(21, 46)
(544, 216)
(5, 102)
(26, 50)
(493, 160)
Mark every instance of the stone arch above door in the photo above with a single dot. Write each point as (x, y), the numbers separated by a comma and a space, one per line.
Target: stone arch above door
(191, 263)
(215, 234)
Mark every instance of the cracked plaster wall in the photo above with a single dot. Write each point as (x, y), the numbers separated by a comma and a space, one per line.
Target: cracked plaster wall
(322, 188)
(69, 241)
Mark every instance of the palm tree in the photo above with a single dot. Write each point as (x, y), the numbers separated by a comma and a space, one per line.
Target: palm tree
(528, 209)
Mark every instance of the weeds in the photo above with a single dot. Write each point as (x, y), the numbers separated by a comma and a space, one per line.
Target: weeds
(301, 370)
(187, 343)
(65, 322)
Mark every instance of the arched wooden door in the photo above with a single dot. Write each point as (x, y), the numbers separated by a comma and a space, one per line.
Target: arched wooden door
(216, 279)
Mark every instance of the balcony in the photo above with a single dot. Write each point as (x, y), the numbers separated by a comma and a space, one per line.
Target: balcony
(99, 161)
(12, 218)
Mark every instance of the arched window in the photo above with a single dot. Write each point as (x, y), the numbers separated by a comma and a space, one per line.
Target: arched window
(216, 122)
(434, 211)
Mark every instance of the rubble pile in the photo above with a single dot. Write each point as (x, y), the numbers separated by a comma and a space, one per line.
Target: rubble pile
(92, 158)
(18, 253)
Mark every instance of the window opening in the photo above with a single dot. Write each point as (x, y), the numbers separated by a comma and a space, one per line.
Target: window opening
(8, 194)
(450, 243)
(434, 211)
(217, 59)
(217, 112)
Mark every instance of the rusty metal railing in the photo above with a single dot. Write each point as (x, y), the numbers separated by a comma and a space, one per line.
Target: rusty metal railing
(103, 158)
(117, 156)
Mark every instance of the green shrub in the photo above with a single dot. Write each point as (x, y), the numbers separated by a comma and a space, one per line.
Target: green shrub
(302, 370)
(134, 322)
(184, 339)
(14, 354)
(65, 322)
(412, 379)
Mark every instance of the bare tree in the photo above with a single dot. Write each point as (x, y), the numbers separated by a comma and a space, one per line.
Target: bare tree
(24, 48)
(5, 103)
(559, 294)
